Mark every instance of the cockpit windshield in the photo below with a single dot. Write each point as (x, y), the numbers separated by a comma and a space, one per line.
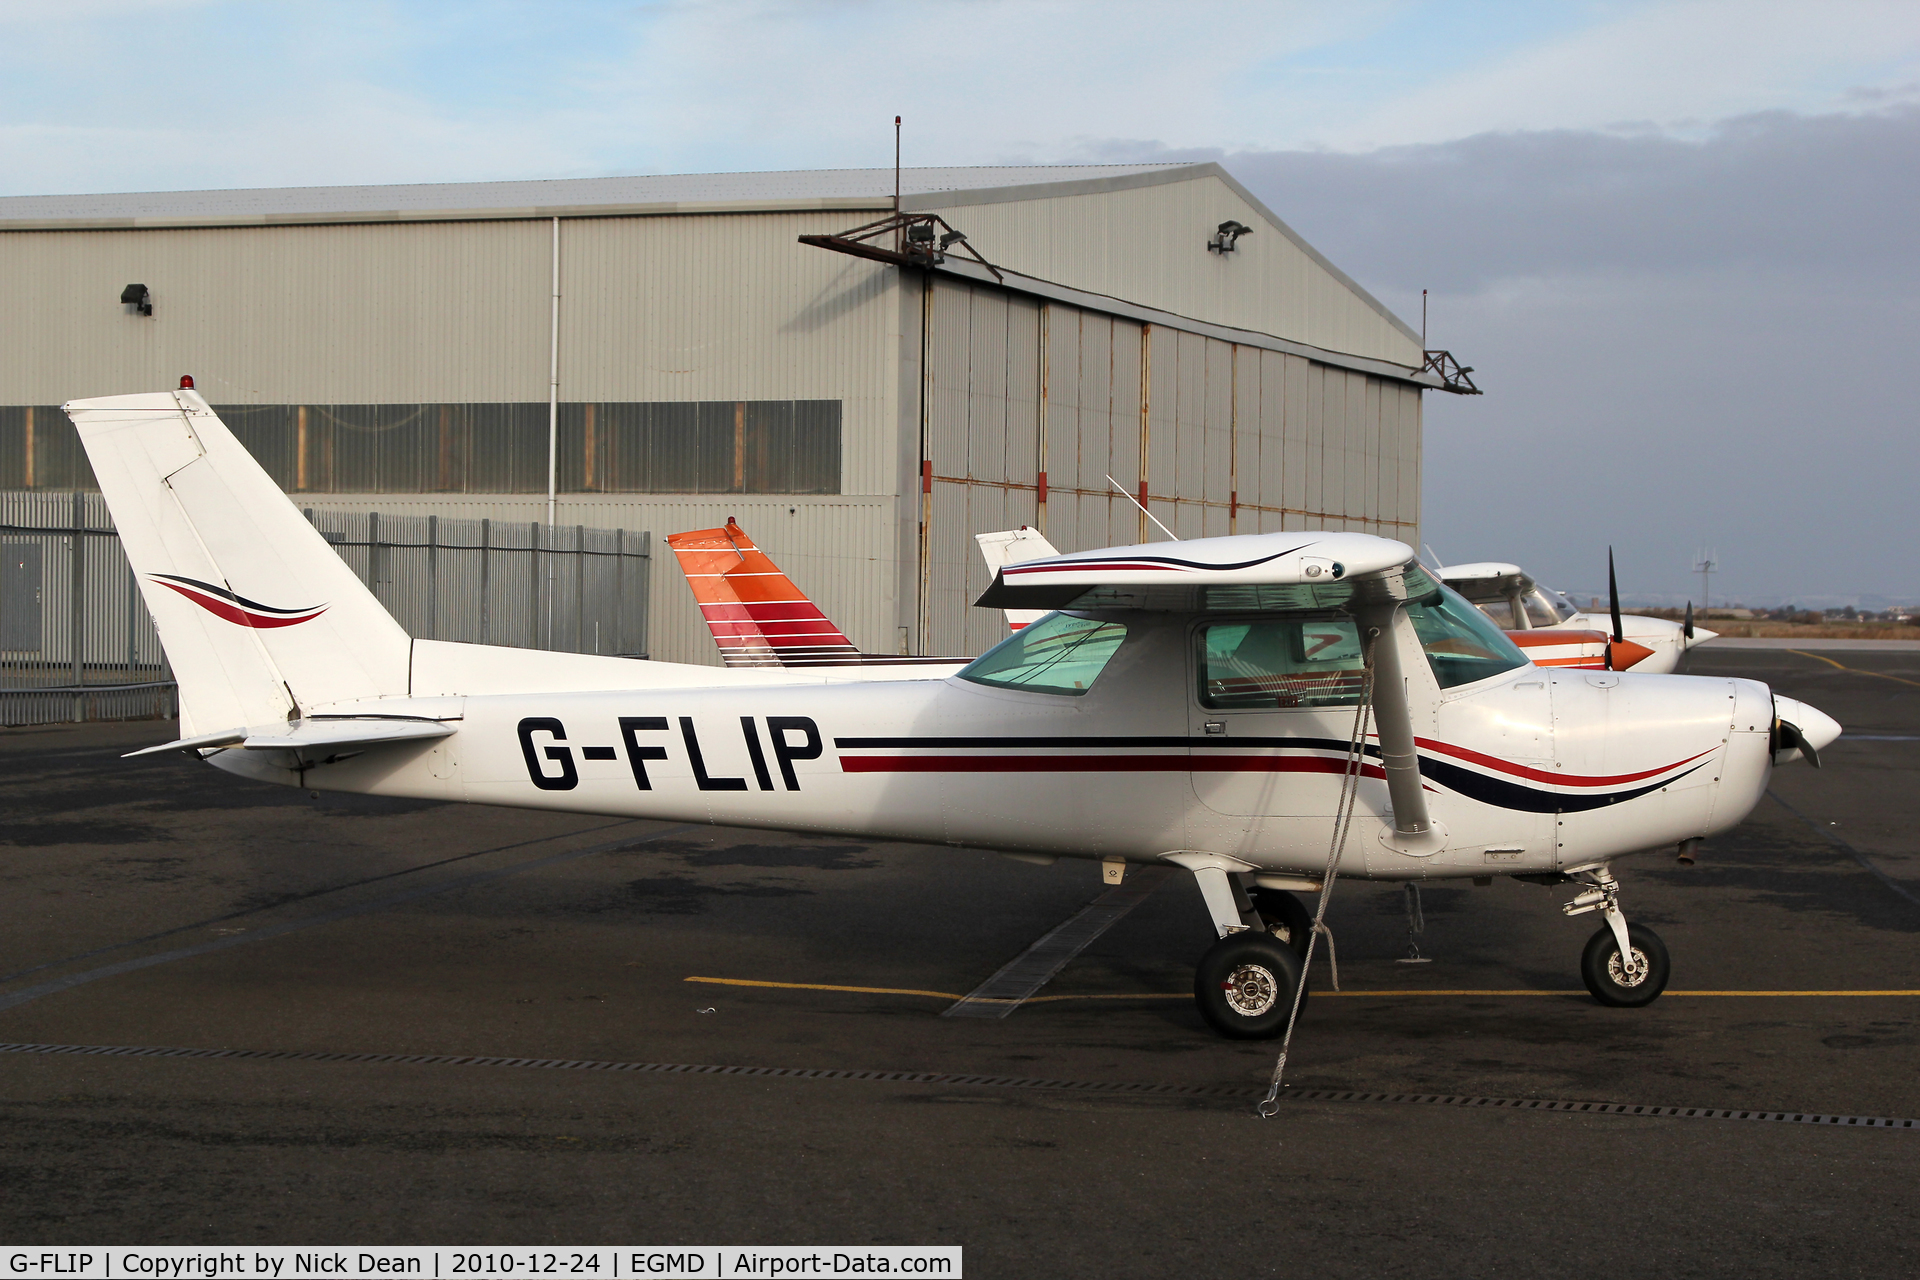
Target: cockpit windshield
(1462, 644)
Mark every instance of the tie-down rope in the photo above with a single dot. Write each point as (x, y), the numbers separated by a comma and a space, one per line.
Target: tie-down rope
(1343, 821)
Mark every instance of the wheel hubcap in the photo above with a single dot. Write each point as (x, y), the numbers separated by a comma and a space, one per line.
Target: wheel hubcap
(1617, 972)
(1251, 990)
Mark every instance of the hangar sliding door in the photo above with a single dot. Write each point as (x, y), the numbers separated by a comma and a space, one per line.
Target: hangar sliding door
(980, 452)
(1028, 407)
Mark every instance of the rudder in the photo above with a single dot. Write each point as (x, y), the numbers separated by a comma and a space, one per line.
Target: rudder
(757, 616)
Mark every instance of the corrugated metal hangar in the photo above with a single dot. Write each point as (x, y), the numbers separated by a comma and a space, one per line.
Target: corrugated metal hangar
(988, 356)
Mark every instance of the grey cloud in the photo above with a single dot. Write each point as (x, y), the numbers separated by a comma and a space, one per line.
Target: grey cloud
(1684, 342)
(1830, 193)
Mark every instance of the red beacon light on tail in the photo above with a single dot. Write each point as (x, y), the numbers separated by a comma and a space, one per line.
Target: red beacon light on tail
(186, 382)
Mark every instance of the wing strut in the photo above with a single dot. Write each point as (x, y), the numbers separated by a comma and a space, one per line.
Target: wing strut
(1393, 716)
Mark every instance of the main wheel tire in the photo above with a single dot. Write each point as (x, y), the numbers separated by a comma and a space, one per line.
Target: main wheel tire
(1244, 985)
(1606, 978)
(1279, 907)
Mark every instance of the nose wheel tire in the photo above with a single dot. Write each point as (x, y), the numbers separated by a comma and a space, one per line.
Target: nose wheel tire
(1607, 978)
(1244, 985)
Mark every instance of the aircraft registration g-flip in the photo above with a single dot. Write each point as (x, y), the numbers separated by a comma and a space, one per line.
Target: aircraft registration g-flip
(1210, 704)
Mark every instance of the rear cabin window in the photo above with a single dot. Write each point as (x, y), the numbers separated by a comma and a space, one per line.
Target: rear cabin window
(1058, 654)
(1280, 662)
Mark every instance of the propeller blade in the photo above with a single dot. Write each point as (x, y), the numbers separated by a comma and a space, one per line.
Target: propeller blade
(1789, 736)
(1686, 632)
(1613, 599)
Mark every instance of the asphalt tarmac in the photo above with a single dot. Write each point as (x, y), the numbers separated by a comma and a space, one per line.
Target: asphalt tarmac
(156, 903)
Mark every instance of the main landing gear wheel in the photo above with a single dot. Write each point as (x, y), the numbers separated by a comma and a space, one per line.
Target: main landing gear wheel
(1244, 985)
(1279, 907)
(1606, 976)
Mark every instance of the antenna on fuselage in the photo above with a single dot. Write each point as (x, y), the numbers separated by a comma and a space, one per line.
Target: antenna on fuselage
(1143, 511)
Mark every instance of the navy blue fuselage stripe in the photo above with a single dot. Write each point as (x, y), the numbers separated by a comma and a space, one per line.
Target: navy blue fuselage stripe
(1511, 795)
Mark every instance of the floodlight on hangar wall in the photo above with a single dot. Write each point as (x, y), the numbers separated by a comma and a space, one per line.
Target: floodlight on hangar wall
(139, 298)
(1226, 234)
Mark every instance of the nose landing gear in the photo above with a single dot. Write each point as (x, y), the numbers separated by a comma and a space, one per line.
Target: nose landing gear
(1623, 965)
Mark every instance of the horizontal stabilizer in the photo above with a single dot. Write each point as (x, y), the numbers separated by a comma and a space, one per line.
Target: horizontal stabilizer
(309, 735)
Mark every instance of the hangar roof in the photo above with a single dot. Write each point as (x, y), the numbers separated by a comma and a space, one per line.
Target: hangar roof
(1042, 249)
(651, 193)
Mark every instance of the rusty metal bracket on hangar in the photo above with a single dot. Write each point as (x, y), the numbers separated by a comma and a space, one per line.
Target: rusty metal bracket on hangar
(919, 240)
(1452, 374)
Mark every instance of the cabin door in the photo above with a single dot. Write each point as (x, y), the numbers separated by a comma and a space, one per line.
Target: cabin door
(1270, 712)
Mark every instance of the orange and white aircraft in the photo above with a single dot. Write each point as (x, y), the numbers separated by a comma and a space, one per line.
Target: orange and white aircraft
(1554, 632)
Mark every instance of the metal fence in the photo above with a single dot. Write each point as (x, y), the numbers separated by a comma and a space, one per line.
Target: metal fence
(77, 643)
(529, 585)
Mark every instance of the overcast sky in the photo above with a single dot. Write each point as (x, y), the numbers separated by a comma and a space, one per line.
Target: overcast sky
(1675, 240)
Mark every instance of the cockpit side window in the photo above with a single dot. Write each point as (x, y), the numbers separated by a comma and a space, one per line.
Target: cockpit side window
(1462, 644)
(1060, 653)
(1500, 612)
(1545, 609)
(1280, 662)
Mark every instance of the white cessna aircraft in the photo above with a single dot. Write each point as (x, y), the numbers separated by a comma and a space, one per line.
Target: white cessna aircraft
(1203, 704)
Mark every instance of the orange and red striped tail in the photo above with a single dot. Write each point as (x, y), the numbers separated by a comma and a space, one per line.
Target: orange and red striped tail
(757, 616)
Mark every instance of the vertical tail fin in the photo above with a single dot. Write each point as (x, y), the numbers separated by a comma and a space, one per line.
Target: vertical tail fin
(1013, 546)
(259, 617)
(757, 616)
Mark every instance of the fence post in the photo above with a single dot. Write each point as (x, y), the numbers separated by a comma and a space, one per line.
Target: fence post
(580, 591)
(619, 590)
(433, 576)
(373, 553)
(533, 594)
(643, 598)
(77, 614)
(486, 564)
(133, 611)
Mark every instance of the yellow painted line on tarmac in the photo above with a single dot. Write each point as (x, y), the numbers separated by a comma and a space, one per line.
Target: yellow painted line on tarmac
(1317, 995)
(1581, 991)
(1793, 993)
(1859, 671)
(825, 986)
